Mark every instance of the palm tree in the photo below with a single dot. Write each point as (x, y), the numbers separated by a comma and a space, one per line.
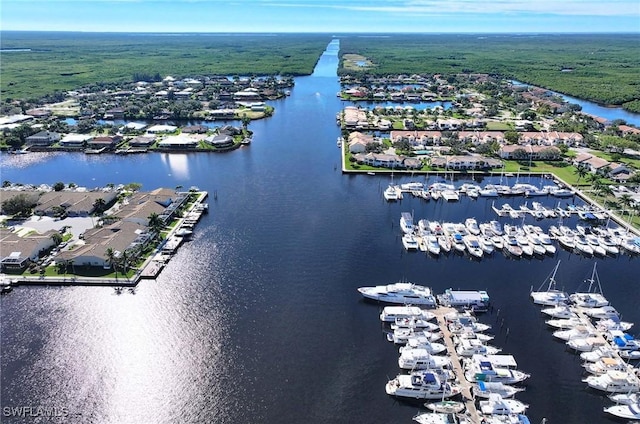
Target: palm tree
(99, 205)
(156, 224)
(581, 172)
(111, 258)
(123, 260)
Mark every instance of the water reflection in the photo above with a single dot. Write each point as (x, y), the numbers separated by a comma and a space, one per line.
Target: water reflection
(178, 164)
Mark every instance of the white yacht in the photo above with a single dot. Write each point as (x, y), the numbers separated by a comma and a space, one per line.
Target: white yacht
(418, 359)
(457, 241)
(432, 245)
(550, 296)
(567, 323)
(433, 348)
(577, 332)
(512, 247)
(423, 385)
(470, 347)
(464, 298)
(410, 242)
(414, 323)
(472, 226)
(614, 382)
(496, 405)
(613, 323)
(598, 353)
(602, 312)
(559, 312)
(391, 193)
(404, 334)
(625, 398)
(631, 412)
(471, 335)
(484, 389)
(604, 365)
(444, 243)
(391, 313)
(582, 246)
(493, 368)
(441, 418)
(403, 293)
(406, 223)
(586, 344)
(473, 246)
(623, 341)
(546, 242)
(450, 195)
(590, 298)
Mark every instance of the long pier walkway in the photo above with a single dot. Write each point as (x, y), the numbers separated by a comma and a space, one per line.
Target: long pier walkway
(467, 395)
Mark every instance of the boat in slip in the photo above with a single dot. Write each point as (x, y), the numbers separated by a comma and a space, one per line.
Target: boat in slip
(625, 398)
(391, 193)
(623, 341)
(614, 382)
(565, 324)
(601, 352)
(593, 297)
(577, 332)
(414, 323)
(433, 246)
(497, 405)
(550, 296)
(406, 223)
(420, 359)
(433, 348)
(391, 313)
(410, 242)
(477, 300)
(404, 335)
(630, 412)
(441, 418)
(421, 385)
(471, 335)
(602, 312)
(472, 245)
(604, 365)
(560, 312)
(470, 347)
(512, 247)
(586, 344)
(472, 226)
(401, 293)
(493, 369)
(483, 389)
(444, 243)
(446, 407)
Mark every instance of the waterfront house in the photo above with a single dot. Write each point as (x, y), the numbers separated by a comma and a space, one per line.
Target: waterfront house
(465, 162)
(220, 141)
(120, 236)
(75, 141)
(529, 152)
(142, 141)
(178, 142)
(161, 129)
(352, 116)
(619, 172)
(195, 129)
(382, 160)
(74, 203)
(358, 142)
(416, 138)
(104, 142)
(18, 252)
(43, 138)
(591, 163)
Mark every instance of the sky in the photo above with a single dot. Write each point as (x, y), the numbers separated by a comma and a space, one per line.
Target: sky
(324, 16)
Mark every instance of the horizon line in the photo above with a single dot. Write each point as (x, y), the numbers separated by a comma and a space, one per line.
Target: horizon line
(334, 33)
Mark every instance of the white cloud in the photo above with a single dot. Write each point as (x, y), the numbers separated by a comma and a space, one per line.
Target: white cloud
(412, 7)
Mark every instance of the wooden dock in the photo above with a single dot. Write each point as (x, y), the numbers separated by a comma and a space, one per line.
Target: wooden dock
(467, 396)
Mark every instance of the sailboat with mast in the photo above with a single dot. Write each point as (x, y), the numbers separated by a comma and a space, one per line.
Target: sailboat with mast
(593, 297)
(550, 296)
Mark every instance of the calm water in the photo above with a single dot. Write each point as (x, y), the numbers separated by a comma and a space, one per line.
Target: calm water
(257, 319)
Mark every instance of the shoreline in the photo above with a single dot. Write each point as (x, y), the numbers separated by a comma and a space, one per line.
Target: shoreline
(150, 267)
